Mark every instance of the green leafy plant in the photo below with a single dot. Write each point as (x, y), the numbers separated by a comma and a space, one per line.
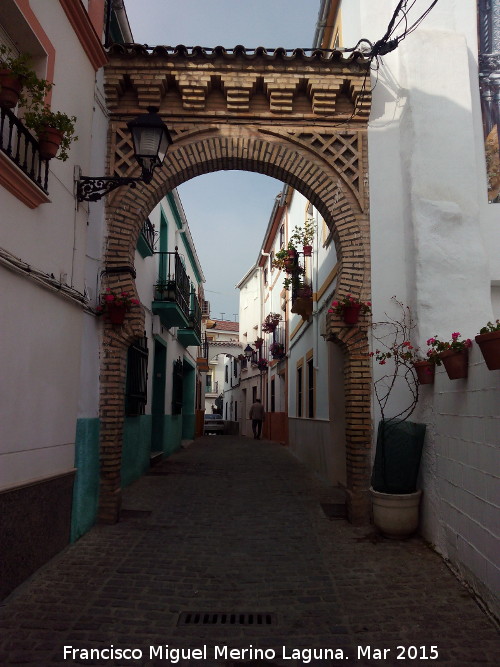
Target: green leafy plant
(41, 118)
(20, 66)
(303, 236)
(454, 344)
(490, 327)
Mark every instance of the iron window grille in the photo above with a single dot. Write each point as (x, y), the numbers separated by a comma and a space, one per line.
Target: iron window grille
(149, 234)
(137, 378)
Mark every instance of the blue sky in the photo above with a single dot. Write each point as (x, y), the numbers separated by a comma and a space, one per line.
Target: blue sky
(228, 211)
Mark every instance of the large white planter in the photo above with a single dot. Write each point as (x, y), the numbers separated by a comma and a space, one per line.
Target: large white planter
(396, 515)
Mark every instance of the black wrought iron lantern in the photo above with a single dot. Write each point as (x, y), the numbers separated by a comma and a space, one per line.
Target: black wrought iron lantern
(151, 140)
(248, 351)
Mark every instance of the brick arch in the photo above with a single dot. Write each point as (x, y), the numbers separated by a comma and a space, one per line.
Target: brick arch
(323, 161)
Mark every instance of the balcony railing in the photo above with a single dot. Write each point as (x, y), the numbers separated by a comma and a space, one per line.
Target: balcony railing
(173, 282)
(22, 148)
(195, 316)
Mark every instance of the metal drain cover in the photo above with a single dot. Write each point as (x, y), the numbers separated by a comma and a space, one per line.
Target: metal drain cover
(226, 618)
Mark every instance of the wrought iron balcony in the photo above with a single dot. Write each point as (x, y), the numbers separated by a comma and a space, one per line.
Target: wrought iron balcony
(172, 291)
(191, 335)
(146, 240)
(21, 147)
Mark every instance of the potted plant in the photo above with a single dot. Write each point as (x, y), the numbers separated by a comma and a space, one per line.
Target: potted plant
(404, 351)
(454, 354)
(55, 131)
(349, 308)
(16, 75)
(395, 497)
(304, 236)
(262, 364)
(259, 342)
(488, 340)
(116, 305)
(277, 350)
(271, 322)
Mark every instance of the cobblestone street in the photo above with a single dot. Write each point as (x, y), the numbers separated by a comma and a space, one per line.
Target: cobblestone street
(234, 526)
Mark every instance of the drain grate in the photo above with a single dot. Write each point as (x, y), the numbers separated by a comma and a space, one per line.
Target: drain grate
(220, 618)
(334, 510)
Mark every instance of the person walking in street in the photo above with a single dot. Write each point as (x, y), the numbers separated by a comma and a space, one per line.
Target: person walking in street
(257, 415)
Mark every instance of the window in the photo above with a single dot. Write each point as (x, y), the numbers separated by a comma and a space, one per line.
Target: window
(310, 388)
(273, 396)
(271, 259)
(226, 374)
(177, 387)
(299, 391)
(136, 395)
(235, 368)
(266, 276)
(282, 236)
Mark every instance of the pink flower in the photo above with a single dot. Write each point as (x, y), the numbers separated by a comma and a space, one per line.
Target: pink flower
(468, 342)
(369, 303)
(330, 310)
(382, 362)
(134, 301)
(335, 304)
(455, 335)
(431, 341)
(109, 297)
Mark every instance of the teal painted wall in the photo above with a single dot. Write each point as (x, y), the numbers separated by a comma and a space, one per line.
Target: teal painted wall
(86, 486)
(172, 434)
(136, 448)
(188, 401)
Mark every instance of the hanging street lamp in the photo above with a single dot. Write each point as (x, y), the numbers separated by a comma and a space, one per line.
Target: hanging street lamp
(151, 140)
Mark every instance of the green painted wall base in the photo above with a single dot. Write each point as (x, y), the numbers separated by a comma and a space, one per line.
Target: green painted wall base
(172, 434)
(86, 486)
(136, 448)
(188, 427)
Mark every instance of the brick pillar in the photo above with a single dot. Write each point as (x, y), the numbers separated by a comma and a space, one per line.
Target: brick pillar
(358, 388)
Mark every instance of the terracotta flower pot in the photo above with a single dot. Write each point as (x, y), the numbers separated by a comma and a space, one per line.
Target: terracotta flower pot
(116, 312)
(10, 89)
(489, 344)
(49, 140)
(425, 371)
(456, 363)
(351, 314)
(307, 250)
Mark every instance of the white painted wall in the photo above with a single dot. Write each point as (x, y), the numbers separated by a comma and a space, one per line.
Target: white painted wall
(432, 225)
(41, 331)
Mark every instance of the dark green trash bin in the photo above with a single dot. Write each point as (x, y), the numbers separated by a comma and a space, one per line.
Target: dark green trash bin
(397, 456)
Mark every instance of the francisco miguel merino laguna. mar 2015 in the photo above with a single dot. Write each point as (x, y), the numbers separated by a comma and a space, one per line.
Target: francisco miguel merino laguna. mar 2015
(305, 655)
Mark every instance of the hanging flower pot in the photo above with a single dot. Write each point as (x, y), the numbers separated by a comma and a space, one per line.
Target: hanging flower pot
(351, 314)
(489, 344)
(116, 313)
(10, 89)
(49, 141)
(307, 250)
(259, 342)
(425, 371)
(456, 363)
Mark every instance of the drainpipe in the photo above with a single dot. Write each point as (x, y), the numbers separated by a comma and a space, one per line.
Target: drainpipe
(268, 393)
(315, 315)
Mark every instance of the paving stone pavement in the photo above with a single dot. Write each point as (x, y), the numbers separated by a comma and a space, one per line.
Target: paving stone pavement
(232, 525)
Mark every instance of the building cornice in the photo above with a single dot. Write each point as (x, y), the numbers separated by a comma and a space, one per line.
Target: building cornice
(82, 25)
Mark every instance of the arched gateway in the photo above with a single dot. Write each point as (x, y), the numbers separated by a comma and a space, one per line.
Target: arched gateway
(296, 117)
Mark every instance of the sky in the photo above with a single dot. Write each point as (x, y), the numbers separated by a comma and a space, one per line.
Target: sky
(227, 211)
